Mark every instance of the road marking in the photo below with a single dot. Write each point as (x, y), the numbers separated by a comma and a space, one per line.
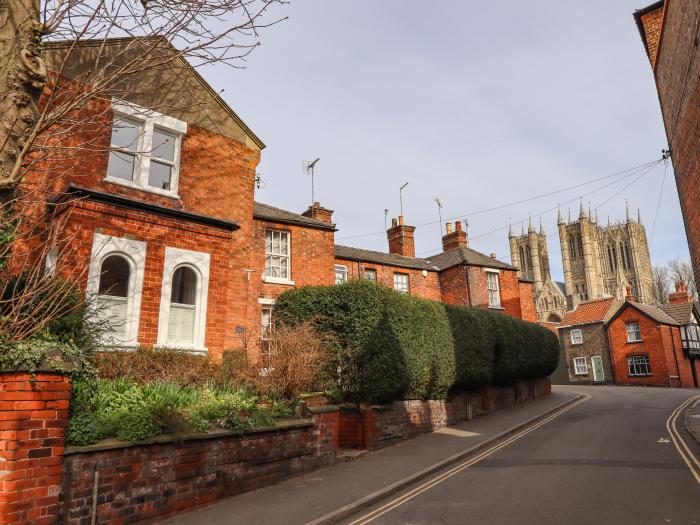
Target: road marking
(688, 457)
(371, 516)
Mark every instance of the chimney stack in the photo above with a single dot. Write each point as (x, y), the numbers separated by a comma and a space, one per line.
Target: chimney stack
(628, 294)
(319, 213)
(400, 238)
(454, 239)
(681, 295)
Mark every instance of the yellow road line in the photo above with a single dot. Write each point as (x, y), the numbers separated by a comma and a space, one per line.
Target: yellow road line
(457, 469)
(688, 457)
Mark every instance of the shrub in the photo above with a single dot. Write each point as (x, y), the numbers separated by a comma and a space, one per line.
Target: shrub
(474, 340)
(387, 345)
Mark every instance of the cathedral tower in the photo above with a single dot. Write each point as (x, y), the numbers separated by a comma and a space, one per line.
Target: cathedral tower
(602, 261)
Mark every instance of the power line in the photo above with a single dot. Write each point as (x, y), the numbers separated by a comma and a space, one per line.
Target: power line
(629, 172)
(658, 204)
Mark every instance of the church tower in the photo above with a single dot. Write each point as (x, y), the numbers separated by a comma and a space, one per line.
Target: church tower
(602, 261)
(528, 253)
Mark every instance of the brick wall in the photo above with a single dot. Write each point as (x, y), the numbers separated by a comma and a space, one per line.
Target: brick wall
(677, 73)
(33, 416)
(527, 301)
(595, 343)
(427, 287)
(660, 342)
(146, 482)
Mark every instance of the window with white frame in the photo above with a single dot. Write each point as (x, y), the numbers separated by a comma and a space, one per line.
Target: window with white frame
(266, 322)
(341, 274)
(184, 298)
(634, 335)
(277, 254)
(638, 365)
(401, 282)
(115, 283)
(145, 149)
(576, 337)
(370, 274)
(580, 366)
(493, 289)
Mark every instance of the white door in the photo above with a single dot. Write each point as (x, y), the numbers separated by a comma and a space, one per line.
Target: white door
(597, 364)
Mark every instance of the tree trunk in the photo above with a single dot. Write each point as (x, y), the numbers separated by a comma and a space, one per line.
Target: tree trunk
(22, 77)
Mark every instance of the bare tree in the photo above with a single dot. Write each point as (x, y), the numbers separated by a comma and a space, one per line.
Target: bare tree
(661, 284)
(63, 63)
(682, 271)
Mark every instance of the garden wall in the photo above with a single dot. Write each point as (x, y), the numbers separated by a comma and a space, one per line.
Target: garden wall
(376, 426)
(129, 483)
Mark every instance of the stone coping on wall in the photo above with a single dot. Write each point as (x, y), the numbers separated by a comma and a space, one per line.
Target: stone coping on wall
(114, 444)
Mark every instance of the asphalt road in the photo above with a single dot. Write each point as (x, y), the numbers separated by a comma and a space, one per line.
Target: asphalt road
(609, 460)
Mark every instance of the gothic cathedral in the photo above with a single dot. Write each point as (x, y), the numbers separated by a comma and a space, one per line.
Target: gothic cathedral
(598, 261)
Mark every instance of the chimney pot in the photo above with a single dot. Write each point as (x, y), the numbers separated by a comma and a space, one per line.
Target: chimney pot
(401, 220)
(394, 222)
(448, 228)
(493, 255)
(458, 226)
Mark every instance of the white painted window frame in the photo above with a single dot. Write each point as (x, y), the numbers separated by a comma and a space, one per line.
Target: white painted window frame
(633, 332)
(149, 120)
(578, 361)
(577, 340)
(199, 262)
(341, 269)
(493, 272)
(279, 280)
(135, 254)
(408, 283)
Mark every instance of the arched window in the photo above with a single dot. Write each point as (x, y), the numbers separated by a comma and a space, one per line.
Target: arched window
(522, 258)
(572, 247)
(580, 247)
(113, 298)
(529, 258)
(183, 307)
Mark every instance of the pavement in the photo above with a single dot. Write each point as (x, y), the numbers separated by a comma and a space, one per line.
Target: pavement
(692, 421)
(322, 492)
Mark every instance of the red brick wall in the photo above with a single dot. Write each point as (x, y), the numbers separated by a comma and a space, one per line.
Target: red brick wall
(527, 302)
(149, 482)
(33, 416)
(652, 28)
(427, 287)
(88, 217)
(656, 343)
(678, 82)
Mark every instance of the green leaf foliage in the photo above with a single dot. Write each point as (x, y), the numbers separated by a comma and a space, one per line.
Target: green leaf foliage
(394, 346)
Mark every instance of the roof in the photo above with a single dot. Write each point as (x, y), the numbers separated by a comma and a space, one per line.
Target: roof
(464, 254)
(681, 312)
(134, 204)
(639, 13)
(591, 312)
(390, 259)
(561, 286)
(651, 311)
(270, 213)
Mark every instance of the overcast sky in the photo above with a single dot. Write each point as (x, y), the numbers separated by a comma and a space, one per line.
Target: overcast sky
(477, 103)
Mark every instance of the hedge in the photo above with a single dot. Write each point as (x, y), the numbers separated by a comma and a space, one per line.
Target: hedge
(393, 346)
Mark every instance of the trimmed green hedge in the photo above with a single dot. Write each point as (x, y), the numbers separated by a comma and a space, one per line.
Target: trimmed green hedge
(393, 346)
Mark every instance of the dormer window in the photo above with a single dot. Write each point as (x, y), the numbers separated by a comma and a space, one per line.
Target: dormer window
(145, 150)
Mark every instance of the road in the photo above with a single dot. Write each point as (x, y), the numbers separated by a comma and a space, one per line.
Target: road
(608, 460)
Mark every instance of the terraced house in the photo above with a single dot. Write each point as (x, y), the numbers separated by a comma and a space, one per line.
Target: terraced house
(158, 222)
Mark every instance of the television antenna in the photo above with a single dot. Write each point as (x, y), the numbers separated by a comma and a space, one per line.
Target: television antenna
(309, 168)
(401, 197)
(437, 200)
(386, 213)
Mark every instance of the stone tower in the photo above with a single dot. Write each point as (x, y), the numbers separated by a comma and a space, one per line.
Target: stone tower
(528, 253)
(602, 261)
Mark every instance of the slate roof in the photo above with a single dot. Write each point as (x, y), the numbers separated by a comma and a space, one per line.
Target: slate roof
(599, 311)
(654, 312)
(681, 312)
(358, 254)
(464, 254)
(270, 213)
(561, 286)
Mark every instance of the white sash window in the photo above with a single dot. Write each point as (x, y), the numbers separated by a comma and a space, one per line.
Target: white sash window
(183, 307)
(113, 298)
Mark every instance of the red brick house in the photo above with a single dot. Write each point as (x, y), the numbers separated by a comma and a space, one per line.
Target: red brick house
(668, 33)
(646, 349)
(158, 223)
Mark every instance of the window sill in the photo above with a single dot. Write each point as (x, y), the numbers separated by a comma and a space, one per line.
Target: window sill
(634, 342)
(131, 347)
(496, 308)
(147, 189)
(199, 350)
(577, 344)
(582, 375)
(277, 280)
(640, 375)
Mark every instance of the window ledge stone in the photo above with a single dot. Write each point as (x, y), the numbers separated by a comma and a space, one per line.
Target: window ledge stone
(147, 189)
(277, 280)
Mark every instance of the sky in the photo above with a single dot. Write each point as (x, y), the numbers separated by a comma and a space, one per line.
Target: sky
(480, 104)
